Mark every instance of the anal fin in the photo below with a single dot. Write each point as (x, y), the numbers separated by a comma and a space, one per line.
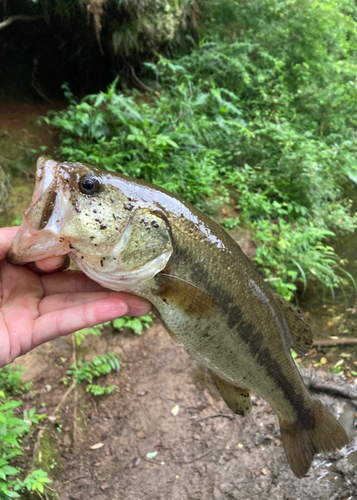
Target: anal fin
(301, 334)
(237, 399)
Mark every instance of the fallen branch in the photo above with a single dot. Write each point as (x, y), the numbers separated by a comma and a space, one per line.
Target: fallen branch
(20, 17)
(333, 342)
(345, 391)
(333, 385)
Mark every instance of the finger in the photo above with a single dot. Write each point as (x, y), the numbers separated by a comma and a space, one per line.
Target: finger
(77, 282)
(50, 265)
(69, 281)
(7, 234)
(136, 305)
(63, 322)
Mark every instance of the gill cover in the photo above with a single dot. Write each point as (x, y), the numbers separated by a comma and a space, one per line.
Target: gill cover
(117, 247)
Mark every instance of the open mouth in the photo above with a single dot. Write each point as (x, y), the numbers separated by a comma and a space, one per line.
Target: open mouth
(49, 210)
(39, 234)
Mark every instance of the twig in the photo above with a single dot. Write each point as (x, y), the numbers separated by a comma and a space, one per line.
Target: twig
(35, 84)
(39, 494)
(75, 427)
(333, 342)
(230, 417)
(74, 350)
(74, 354)
(20, 17)
(64, 397)
(75, 479)
(196, 458)
(136, 80)
(53, 491)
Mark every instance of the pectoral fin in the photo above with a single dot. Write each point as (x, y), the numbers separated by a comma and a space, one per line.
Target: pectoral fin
(301, 334)
(184, 296)
(237, 399)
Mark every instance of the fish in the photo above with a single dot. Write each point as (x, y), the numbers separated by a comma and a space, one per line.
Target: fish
(129, 235)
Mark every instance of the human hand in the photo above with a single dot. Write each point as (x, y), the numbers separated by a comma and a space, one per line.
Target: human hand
(35, 309)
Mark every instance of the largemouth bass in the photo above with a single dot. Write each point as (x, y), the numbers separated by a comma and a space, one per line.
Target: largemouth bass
(131, 236)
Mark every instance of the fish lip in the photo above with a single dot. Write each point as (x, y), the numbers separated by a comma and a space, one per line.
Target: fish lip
(45, 175)
(39, 234)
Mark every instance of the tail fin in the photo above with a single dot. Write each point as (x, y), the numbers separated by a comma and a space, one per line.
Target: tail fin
(322, 434)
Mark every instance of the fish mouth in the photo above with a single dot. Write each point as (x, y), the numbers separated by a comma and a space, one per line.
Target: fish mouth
(39, 235)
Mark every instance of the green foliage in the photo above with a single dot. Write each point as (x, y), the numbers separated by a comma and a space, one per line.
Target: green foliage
(230, 223)
(115, 132)
(13, 428)
(137, 324)
(264, 107)
(81, 335)
(87, 371)
(11, 380)
(295, 356)
(36, 481)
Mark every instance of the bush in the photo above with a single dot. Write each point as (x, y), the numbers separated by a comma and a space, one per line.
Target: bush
(13, 428)
(262, 109)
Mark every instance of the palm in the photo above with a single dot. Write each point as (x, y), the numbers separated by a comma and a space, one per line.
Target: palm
(35, 309)
(20, 299)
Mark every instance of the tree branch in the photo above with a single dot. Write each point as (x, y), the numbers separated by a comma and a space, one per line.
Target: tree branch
(333, 342)
(20, 17)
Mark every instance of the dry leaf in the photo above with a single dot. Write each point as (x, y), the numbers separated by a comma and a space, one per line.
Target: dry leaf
(175, 410)
(97, 446)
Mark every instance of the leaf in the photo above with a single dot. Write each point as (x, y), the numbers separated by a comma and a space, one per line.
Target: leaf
(96, 446)
(119, 323)
(152, 454)
(175, 410)
(10, 405)
(9, 471)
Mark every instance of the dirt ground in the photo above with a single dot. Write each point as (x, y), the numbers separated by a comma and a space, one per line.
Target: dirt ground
(204, 452)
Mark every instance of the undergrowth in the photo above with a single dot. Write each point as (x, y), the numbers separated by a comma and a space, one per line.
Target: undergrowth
(14, 426)
(88, 372)
(262, 110)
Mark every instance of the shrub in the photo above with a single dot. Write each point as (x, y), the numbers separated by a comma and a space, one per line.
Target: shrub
(262, 108)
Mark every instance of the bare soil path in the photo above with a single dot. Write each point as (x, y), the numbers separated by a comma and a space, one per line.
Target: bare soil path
(204, 452)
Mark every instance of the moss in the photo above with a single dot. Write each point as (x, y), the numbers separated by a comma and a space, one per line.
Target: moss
(48, 457)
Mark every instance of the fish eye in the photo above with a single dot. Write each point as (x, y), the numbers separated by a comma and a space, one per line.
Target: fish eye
(89, 184)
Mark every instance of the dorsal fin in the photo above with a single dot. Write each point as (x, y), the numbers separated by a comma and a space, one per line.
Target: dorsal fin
(301, 334)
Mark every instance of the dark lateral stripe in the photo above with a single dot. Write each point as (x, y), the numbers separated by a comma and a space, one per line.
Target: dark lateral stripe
(246, 330)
